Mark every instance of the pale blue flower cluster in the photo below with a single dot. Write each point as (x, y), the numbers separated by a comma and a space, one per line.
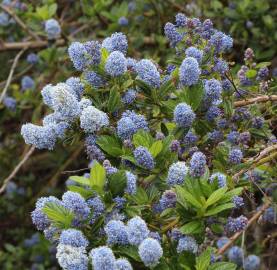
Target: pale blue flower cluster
(144, 158)
(123, 21)
(123, 264)
(184, 115)
(72, 258)
(102, 258)
(73, 237)
(94, 79)
(129, 96)
(220, 178)
(168, 200)
(129, 124)
(236, 224)
(252, 262)
(189, 71)
(116, 42)
(10, 103)
(177, 173)
(131, 187)
(187, 243)
(172, 34)
(222, 241)
(213, 90)
(78, 55)
(235, 156)
(235, 255)
(195, 53)
(197, 164)
(97, 206)
(233, 137)
(148, 73)
(116, 232)
(52, 29)
(27, 83)
(137, 230)
(238, 201)
(32, 58)
(92, 119)
(150, 252)
(76, 87)
(116, 64)
(221, 42)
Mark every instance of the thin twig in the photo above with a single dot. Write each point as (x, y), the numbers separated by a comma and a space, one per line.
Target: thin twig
(75, 171)
(259, 99)
(16, 169)
(20, 22)
(237, 235)
(11, 74)
(9, 46)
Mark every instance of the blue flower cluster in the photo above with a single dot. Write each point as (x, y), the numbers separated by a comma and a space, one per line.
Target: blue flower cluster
(197, 164)
(236, 224)
(52, 29)
(177, 173)
(183, 115)
(144, 158)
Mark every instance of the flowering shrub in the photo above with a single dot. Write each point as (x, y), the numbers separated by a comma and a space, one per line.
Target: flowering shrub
(170, 151)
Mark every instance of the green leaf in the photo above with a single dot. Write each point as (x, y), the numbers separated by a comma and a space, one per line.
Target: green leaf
(140, 197)
(216, 196)
(204, 260)
(129, 251)
(263, 64)
(192, 227)
(193, 95)
(114, 102)
(110, 145)
(58, 214)
(222, 266)
(144, 87)
(82, 191)
(156, 148)
(251, 73)
(230, 194)
(81, 180)
(97, 176)
(188, 197)
(117, 183)
(104, 56)
(142, 138)
(52, 10)
(219, 209)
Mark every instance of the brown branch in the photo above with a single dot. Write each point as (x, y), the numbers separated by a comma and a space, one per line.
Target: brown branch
(30, 44)
(16, 169)
(75, 171)
(259, 99)
(233, 238)
(20, 22)
(11, 73)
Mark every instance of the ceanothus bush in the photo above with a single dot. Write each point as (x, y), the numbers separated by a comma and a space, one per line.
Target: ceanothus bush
(168, 151)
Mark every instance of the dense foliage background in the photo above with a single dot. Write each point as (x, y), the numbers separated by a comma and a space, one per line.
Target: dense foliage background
(30, 59)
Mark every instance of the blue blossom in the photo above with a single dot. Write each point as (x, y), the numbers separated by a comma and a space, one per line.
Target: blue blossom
(72, 258)
(189, 71)
(39, 218)
(98, 208)
(235, 255)
(32, 241)
(226, 85)
(109, 168)
(52, 29)
(220, 66)
(190, 139)
(187, 243)
(221, 42)
(129, 124)
(27, 83)
(177, 173)
(252, 262)
(233, 137)
(10, 103)
(73, 237)
(258, 122)
(32, 58)
(183, 115)
(131, 63)
(129, 96)
(212, 89)
(123, 21)
(131, 183)
(116, 233)
(150, 252)
(262, 74)
(137, 230)
(270, 215)
(220, 177)
(117, 42)
(41, 137)
(92, 119)
(4, 19)
(76, 87)
(119, 202)
(215, 136)
(212, 113)
(144, 158)
(198, 164)
(103, 258)
(180, 20)
(78, 55)
(222, 241)
(172, 34)
(94, 79)
(46, 95)
(168, 199)
(84, 103)
(50, 233)
(116, 64)
(245, 137)
(235, 156)
(238, 201)
(195, 53)
(93, 50)
(175, 146)
(123, 264)
(234, 225)
(63, 102)
(77, 204)
(148, 73)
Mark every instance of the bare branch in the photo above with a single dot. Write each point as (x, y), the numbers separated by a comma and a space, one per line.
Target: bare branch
(16, 169)
(259, 99)
(20, 22)
(11, 73)
(237, 235)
